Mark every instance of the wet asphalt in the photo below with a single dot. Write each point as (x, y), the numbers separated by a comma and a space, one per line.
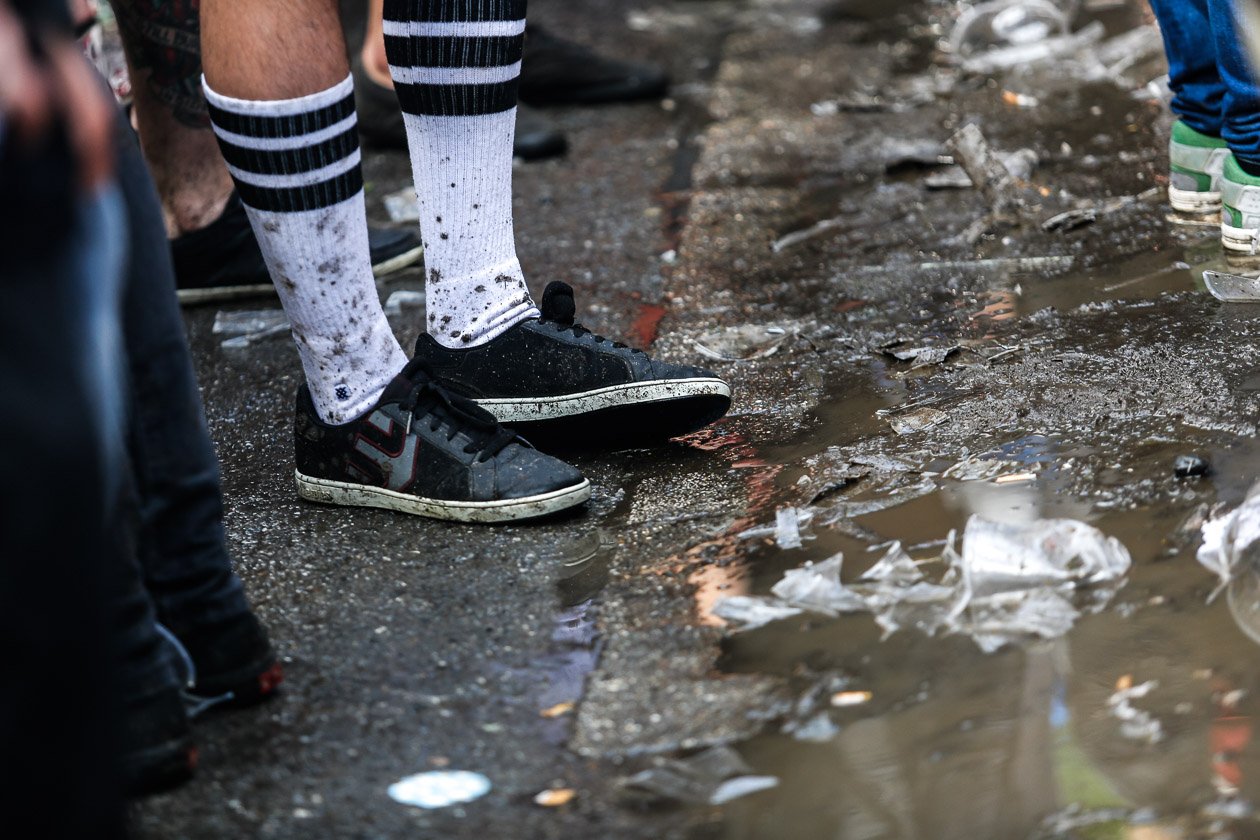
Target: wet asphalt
(745, 217)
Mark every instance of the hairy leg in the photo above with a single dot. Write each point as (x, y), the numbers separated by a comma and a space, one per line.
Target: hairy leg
(161, 38)
(281, 49)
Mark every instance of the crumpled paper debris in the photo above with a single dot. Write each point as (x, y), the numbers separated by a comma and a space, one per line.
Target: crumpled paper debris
(712, 777)
(1010, 583)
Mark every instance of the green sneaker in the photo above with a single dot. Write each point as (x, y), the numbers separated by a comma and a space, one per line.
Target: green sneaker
(1195, 161)
(1240, 208)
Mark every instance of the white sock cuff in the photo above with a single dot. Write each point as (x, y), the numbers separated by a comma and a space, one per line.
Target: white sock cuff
(280, 107)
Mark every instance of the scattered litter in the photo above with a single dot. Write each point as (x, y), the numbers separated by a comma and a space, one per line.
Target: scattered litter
(439, 788)
(920, 356)
(842, 699)
(1016, 478)
(998, 182)
(245, 329)
(1135, 724)
(787, 528)
(917, 421)
(1014, 264)
(1006, 57)
(819, 729)
(555, 797)
(982, 468)
(1006, 23)
(741, 786)
(743, 343)
(811, 232)
(1020, 100)
(712, 777)
(402, 300)
(403, 206)
(558, 710)
(747, 612)
(1228, 538)
(1010, 583)
(1190, 466)
(799, 518)
(1071, 219)
(949, 178)
(1232, 288)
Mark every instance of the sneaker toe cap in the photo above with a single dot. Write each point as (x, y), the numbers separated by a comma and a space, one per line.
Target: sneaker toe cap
(527, 472)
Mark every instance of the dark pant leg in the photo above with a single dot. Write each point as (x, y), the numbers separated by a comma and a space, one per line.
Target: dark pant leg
(60, 705)
(1193, 75)
(182, 544)
(1241, 105)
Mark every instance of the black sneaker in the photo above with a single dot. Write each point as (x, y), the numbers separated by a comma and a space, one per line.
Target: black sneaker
(229, 664)
(158, 750)
(426, 451)
(552, 374)
(381, 122)
(559, 72)
(222, 261)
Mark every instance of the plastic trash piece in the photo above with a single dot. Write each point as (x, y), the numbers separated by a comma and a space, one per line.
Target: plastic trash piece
(743, 343)
(231, 324)
(712, 777)
(403, 206)
(439, 788)
(1230, 540)
(748, 612)
(1006, 23)
(787, 528)
(1010, 583)
(741, 786)
(1232, 288)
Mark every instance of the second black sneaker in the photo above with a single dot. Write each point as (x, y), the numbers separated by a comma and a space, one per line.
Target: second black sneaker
(222, 261)
(551, 373)
(426, 451)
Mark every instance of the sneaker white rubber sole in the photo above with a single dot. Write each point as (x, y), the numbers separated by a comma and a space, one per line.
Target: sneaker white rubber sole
(516, 410)
(227, 293)
(329, 492)
(1194, 202)
(1239, 239)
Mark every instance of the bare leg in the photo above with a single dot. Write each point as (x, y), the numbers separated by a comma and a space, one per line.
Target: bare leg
(161, 40)
(274, 50)
(375, 64)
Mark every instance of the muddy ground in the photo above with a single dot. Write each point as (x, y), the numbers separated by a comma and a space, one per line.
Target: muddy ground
(776, 210)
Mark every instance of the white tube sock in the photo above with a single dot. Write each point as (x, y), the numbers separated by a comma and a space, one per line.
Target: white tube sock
(455, 65)
(296, 167)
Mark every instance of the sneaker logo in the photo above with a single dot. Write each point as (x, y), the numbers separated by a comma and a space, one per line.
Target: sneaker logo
(342, 392)
(383, 447)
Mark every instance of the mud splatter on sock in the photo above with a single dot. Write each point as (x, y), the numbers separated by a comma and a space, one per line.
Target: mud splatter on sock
(455, 65)
(296, 167)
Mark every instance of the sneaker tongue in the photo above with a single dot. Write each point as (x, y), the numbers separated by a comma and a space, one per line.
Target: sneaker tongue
(557, 303)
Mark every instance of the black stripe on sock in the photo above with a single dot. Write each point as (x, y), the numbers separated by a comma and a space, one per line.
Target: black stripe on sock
(294, 125)
(296, 199)
(454, 11)
(293, 161)
(424, 51)
(457, 100)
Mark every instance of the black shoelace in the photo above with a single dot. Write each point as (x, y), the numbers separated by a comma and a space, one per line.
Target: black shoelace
(439, 407)
(579, 331)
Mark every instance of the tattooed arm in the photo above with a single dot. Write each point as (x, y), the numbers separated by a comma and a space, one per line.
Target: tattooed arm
(163, 43)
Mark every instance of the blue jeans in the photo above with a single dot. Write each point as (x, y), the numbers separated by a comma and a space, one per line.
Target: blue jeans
(1214, 91)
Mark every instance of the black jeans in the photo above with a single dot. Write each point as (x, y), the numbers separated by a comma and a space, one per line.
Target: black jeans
(180, 540)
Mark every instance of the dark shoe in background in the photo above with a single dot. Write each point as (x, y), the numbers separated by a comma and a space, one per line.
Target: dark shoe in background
(232, 663)
(158, 749)
(381, 122)
(222, 261)
(556, 380)
(559, 72)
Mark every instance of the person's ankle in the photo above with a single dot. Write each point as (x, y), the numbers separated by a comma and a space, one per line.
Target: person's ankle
(189, 213)
(376, 64)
